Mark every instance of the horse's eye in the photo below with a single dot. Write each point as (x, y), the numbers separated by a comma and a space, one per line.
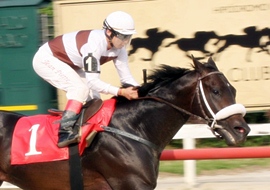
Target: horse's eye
(216, 92)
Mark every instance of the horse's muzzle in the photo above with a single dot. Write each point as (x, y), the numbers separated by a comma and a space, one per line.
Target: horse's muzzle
(234, 130)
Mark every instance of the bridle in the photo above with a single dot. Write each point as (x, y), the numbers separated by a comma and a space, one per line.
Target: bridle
(221, 114)
(212, 120)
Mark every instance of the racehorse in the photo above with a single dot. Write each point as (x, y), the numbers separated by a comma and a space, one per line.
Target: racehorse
(167, 100)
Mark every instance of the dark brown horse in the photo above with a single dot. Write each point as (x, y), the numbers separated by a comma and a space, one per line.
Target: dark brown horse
(117, 162)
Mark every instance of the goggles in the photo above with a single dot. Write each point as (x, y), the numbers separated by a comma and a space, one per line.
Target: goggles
(122, 37)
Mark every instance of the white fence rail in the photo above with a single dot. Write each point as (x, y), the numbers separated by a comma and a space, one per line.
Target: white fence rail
(190, 132)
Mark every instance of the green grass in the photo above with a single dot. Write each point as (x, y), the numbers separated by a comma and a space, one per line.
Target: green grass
(222, 164)
(176, 167)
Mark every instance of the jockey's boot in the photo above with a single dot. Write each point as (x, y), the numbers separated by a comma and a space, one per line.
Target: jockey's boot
(67, 135)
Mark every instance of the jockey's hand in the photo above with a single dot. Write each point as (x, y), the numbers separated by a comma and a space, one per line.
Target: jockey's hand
(129, 93)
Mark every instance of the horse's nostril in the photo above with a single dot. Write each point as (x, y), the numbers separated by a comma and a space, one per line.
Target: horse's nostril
(240, 129)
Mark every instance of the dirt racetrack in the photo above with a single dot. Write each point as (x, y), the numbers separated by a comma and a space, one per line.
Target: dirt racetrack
(234, 180)
(251, 179)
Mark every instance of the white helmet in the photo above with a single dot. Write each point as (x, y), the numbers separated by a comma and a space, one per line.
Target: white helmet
(121, 22)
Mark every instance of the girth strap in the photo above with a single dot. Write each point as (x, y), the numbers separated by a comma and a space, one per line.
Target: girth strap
(131, 136)
(75, 171)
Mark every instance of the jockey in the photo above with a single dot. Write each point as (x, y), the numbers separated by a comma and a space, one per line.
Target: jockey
(71, 62)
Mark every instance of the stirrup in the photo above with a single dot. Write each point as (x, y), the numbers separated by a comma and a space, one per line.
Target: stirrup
(90, 138)
(67, 142)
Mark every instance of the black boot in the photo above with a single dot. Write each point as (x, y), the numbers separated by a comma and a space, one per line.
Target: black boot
(67, 134)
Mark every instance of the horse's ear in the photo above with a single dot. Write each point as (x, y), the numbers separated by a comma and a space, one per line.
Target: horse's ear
(197, 65)
(212, 63)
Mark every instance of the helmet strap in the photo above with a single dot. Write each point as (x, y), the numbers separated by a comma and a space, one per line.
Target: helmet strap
(109, 37)
(106, 26)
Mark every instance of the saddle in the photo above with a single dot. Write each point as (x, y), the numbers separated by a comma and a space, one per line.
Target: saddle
(89, 109)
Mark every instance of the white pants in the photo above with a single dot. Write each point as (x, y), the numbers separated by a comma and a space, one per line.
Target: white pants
(61, 75)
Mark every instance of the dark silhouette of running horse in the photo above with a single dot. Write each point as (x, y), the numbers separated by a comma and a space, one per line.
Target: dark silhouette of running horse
(197, 43)
(250, 40)
(152, 43)
(115, 162)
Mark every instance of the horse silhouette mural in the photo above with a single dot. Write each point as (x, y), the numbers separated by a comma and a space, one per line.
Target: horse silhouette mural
(251, 39)
(151, 43)
(197, 43)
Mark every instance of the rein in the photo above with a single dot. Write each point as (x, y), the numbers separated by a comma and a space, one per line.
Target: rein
(139, 139)
(212, 122)
(170, 104)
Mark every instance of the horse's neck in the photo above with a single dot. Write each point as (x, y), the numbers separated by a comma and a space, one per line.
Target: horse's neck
(160, 123)
(172, 119)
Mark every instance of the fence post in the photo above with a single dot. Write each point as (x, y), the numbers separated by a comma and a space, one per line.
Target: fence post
(189, 165)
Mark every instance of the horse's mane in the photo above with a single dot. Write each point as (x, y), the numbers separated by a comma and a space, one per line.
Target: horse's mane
(161, 76)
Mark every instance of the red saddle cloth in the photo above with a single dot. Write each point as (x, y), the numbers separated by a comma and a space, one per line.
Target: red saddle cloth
(35, 137)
